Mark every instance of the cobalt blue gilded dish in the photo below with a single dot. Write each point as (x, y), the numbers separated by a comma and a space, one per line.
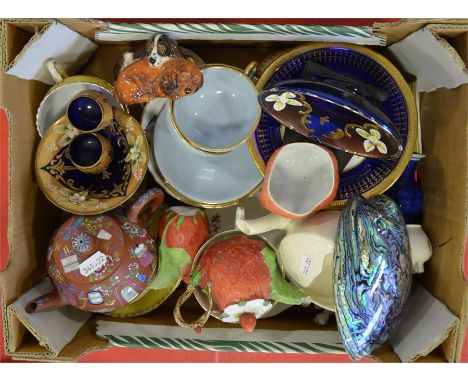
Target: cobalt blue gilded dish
(334, 116)
(372, 272)
(113, 182)
(383, 88)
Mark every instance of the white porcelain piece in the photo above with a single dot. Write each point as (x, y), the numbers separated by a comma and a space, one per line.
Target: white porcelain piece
(197, 178)
(222, 114)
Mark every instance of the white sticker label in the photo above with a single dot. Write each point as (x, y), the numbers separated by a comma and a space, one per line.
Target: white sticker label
(104, 235)
(69, 260)
(70, 263)
(93, 263)
(305, 266)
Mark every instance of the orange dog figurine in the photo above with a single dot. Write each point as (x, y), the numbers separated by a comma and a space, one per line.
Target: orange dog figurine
(160, 70)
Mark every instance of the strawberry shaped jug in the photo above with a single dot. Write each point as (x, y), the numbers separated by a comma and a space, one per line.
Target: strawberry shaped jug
(103, 262)
(236, 279)
(182, 231)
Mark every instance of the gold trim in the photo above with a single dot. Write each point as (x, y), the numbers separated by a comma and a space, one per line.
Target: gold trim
(43, 177)
(104, 159)
(405, 156)
(225, 235)
(175, 194)
(224, 150)
(104, 105)
(80, 79)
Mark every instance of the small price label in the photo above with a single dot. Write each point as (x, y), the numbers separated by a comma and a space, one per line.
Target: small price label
(305, 266)
(93, 263)
(104, 235)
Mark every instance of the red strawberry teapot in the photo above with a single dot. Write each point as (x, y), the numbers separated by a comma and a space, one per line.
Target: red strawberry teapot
(101, 263)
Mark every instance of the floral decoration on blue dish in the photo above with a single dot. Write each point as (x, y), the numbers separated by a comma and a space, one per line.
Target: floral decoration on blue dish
(334, 116)
(383, 90)
(372, 272)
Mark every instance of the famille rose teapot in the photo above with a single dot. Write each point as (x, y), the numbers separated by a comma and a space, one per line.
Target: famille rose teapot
(236, 279)
(103, 262)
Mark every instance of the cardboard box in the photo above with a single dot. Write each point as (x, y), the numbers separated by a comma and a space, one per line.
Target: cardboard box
(32, 219)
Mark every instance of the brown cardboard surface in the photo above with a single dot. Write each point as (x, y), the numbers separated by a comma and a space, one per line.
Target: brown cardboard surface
(32, 219)
(444, 181)
(400, 29)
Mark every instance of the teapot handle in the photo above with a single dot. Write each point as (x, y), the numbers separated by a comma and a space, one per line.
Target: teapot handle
(154, 195)
(197, 324)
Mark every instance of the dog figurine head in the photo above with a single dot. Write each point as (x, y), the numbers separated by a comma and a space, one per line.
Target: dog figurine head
(180, 78)
(160, 48)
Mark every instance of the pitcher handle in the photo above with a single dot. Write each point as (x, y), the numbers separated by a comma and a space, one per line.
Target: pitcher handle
(251, 69)
(153, 195)
(56, 70)
(197, 324)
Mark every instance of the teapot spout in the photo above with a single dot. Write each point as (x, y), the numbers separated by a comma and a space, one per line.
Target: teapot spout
(260, 225)
(47, 302)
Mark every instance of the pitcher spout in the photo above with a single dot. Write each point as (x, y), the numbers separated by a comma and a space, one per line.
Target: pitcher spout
(260, 225)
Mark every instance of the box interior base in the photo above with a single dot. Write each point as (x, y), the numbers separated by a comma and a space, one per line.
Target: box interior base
(32, 218)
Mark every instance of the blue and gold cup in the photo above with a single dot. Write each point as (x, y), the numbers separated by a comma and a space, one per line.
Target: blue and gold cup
(90, 153)
(89, 111)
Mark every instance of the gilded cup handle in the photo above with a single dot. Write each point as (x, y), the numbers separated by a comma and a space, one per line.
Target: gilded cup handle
(56, 70)
(251, 69)
(182, 299)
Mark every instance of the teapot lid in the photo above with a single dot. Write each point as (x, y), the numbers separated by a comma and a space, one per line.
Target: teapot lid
(87, 248)
(101, 263)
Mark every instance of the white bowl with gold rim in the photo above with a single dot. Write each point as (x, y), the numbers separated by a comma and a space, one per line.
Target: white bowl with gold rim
(197, 178)
(222, 114)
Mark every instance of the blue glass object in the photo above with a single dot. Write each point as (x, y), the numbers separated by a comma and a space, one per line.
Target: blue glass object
(84, 113)
(348, 62)
(111, 183)
(372, 273)
(335, 116)
(85, 149)
(407, 193)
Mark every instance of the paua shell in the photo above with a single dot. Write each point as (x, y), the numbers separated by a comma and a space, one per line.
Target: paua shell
(372, 272)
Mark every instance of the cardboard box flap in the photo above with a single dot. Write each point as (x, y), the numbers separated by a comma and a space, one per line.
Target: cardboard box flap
(243, 32)
(54, 329)
(425, 324)
(57, 41)
(434, 62)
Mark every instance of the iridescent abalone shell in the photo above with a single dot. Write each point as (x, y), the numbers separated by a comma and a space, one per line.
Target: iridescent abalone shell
(372, 272)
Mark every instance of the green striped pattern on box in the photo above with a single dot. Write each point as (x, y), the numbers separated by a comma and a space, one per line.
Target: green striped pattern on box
(141, 31)
(222, 345)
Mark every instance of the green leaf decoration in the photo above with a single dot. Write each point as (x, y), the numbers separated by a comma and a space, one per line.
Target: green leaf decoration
(195, 219)
(281, 290)
(171, 261)
(202, 213)
(195, 279)
(180, 221)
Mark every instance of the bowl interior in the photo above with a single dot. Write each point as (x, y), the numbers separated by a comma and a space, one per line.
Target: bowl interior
(302, 177)
(202, 178)
(222, 113)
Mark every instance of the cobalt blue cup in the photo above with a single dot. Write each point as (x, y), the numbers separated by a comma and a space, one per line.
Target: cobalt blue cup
(89, 111)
